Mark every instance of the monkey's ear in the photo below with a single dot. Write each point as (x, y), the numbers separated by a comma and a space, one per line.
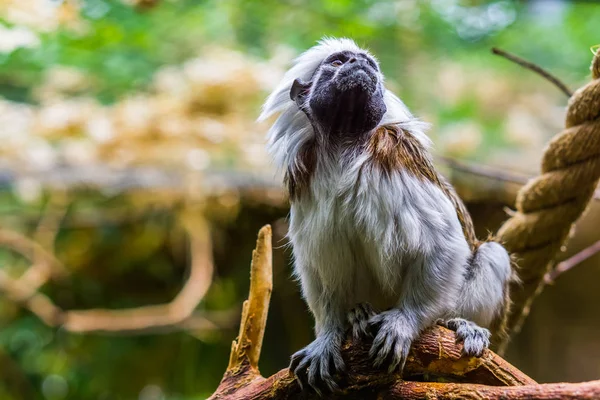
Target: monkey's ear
(299, 90)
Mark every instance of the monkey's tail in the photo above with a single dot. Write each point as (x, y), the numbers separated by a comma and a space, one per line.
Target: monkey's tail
(499, 325)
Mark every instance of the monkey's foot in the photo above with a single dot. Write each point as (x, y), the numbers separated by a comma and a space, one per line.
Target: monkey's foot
(474, 338)
(358, 318)
(391, 345)
(315, 365)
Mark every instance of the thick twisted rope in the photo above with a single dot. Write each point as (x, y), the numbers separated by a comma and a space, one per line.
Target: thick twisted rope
(548, 205)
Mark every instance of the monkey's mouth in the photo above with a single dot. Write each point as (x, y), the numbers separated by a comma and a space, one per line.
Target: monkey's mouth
(358, 78)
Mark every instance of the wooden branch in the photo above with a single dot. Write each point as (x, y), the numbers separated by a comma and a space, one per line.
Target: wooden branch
(254, 315)
(282, 387)
(179, 309)
(45, 234)
(434, 356)
(177, 314)
(31, 250)
(451, 391)
(38, 303)
(435, 368)
(493, 173)
(479, 183)
(571, 262)
(535, 68)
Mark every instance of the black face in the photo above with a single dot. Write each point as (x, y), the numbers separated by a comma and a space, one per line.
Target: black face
(345, 96)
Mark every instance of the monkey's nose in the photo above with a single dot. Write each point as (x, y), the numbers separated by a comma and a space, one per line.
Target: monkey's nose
(352, 60)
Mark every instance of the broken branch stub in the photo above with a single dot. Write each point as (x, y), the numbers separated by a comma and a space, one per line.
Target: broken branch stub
(248, 345)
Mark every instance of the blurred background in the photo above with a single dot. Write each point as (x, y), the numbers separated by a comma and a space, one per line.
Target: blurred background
(133, 176)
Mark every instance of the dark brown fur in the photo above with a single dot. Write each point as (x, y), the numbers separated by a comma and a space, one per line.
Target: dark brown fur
(393, 149)
(297, 178)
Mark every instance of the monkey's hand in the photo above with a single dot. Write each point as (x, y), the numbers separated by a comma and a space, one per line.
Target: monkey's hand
(316, 364)
(395, 333)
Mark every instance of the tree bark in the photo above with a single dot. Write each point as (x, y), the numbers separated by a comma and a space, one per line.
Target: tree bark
(435, 369)
(246, 384)
(434, 356)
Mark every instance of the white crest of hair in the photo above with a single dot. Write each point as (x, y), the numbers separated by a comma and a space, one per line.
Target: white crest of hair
(292, 128)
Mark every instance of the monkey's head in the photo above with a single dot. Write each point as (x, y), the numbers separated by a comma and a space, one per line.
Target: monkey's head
(345, 94)
(334, 91)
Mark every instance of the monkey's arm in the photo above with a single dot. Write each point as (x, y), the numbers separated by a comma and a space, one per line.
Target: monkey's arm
(429, 287)
(449, 273)
(461, 210)
(396, 149)
(430, 249)
(313, 365)
(485, 290)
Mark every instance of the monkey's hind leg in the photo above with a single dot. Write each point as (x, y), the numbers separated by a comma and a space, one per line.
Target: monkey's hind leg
(484, 288)
(474, 338)
(482, 298)
(358, 318)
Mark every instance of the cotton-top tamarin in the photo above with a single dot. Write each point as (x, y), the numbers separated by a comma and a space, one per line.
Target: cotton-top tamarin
(382, 244)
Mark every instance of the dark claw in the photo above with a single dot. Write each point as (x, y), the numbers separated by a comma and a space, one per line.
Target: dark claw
(392, 340)
(374, 325)
(302, 377)
(299, 367)
(296, 358)
(358, 318)
(313, 381)
(399, 361)
(315, 365)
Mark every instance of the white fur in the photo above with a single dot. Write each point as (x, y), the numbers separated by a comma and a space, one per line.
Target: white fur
(360, 239)
(360, 234)
(483, 292)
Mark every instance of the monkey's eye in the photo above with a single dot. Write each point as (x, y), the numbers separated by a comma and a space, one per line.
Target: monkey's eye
(337, 63)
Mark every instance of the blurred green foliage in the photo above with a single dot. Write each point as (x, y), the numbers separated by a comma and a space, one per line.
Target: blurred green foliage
(139, 257)
(122, 46)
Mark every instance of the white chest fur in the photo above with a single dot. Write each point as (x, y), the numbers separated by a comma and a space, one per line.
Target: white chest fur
(359, 228)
